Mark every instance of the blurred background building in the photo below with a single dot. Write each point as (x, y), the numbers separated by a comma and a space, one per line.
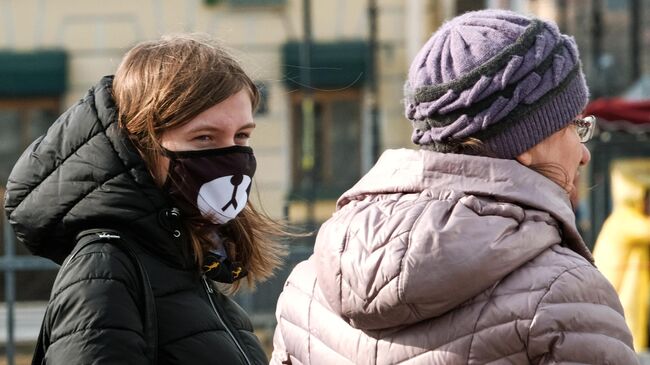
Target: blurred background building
(331, 74)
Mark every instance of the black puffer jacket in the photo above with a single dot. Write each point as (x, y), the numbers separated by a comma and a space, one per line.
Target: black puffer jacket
(84, 173)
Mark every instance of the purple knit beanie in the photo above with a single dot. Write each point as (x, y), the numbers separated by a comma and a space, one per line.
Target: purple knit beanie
(497, 76)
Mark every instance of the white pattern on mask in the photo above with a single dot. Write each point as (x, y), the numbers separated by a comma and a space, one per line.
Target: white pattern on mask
(223, 198)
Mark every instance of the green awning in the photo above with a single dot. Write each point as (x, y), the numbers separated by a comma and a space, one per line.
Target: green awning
(333, 65)
(32, 73)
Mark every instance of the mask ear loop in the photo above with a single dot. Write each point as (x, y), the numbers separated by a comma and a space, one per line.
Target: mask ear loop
(168, 179)
(172, 159)
(170, 182)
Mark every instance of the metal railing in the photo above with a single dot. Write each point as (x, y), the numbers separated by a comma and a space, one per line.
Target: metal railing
(10, 264)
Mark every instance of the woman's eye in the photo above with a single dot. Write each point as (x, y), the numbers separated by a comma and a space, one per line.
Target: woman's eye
(203, 138)
(242, 136)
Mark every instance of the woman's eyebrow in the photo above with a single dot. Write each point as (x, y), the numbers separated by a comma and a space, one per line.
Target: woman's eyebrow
(211, 127)
(203, 127)
(249, 125)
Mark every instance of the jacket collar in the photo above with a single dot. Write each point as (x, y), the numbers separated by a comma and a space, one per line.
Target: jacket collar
(411, 171)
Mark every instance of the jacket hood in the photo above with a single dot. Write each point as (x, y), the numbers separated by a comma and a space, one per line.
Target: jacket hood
(424, 232)
(85, 173)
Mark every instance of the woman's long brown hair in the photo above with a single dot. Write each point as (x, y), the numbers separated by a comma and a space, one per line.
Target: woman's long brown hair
(163, 84)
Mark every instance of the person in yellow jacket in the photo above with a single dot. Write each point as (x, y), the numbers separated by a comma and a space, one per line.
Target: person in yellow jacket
(622, 250)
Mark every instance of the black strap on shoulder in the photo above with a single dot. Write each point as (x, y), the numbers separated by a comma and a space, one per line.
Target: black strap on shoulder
(39, 351)
(148, 313)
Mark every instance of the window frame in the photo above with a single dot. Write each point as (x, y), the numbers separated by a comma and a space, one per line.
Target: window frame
(324, 188)
(24, 107)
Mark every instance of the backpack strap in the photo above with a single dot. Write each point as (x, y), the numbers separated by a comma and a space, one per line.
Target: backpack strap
(39, 351)
(148, 313)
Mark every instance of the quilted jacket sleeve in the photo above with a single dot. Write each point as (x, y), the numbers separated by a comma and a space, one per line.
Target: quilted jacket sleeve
(580, 320)
(93, 316)
(280, 355)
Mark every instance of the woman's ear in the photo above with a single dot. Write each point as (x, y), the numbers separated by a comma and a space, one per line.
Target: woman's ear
(525, 158)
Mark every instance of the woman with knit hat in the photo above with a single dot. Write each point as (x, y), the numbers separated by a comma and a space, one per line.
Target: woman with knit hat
(465, 250)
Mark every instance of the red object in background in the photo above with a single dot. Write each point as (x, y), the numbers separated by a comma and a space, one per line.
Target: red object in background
(617, 109)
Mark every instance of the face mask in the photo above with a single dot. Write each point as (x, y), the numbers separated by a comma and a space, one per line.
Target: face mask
(215, 183)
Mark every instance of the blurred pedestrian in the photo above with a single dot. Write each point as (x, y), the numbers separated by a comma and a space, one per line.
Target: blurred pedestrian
(466, 250)
(622, 249)
(155, 158)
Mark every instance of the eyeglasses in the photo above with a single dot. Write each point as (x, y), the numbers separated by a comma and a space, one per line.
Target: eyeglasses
(585, 127)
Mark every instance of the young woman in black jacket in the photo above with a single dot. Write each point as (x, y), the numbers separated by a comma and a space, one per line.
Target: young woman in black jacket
(155, 158)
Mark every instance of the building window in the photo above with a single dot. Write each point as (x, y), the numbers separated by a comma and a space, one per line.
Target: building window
(337, 162)
(257, 2)
(263, 106)
(21, 122)
(246, 3)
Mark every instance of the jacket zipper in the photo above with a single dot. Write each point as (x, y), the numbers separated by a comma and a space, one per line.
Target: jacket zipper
(214, 308)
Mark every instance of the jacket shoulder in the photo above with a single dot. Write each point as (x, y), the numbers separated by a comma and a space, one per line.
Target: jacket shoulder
(579, 309)
(94, 309)
(101, 261)
(561, 275)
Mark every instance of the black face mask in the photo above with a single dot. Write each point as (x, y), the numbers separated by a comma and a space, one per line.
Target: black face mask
(215, 183)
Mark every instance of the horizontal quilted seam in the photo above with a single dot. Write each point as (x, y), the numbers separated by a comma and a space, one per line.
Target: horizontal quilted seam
(103, 250)
(567, 253)
(80, 330)
(306, 332)
(174, 292)
(426, 352)
(467, 174)
(507, 356)
(543, 268)
(472, 302)
(86, 279)
(327, 346)
(589, 333)
(191, 334)
(500, 324)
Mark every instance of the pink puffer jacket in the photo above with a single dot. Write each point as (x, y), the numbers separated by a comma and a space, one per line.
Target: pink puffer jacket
(450, 259)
